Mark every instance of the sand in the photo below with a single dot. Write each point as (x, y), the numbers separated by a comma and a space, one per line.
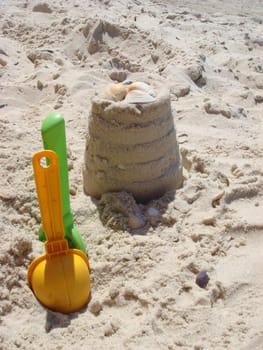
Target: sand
(144, 258)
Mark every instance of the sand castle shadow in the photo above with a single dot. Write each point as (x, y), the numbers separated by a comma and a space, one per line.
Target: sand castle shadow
(121, 212)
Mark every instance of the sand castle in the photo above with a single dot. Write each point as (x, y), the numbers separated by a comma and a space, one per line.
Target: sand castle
(132, 147)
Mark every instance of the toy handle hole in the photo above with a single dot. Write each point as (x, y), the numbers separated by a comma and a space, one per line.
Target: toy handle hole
(44, 162)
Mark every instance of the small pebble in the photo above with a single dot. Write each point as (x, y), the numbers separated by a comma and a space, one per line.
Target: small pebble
(42, 8)
(202, 279)
(55, 76)
(118, 75)
(60, 89)
(40, 85)
(154, 57)
(259, 98)
(57, 105)
(95, 307)
(59, 62)
(73, 191)
(209, 221)
(138, 312)
(70, 165)
(18, 343)
(2, 62)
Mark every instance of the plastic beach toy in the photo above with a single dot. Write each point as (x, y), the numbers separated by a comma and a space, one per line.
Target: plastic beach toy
(54, 138)
(60, 279)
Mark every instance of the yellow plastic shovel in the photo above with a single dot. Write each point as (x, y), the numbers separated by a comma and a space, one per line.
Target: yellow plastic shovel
(60, 279)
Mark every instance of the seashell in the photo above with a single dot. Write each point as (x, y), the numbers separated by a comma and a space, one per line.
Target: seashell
(131, 92)
(138, 96)
(216, 200)
(115, 92)
(138, 85)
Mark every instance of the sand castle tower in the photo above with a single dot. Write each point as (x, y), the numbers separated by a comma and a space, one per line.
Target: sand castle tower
(132, 147)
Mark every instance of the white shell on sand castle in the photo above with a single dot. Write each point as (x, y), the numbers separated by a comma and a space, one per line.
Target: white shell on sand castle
(131, 92)
(132, 147)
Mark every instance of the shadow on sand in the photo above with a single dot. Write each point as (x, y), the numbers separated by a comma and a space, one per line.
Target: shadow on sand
(119, 211)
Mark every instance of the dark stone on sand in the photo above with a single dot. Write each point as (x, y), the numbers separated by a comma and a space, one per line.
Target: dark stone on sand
(44, 8)
(202, 279)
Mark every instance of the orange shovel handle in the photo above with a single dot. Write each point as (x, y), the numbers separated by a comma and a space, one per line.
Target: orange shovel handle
(49, 196)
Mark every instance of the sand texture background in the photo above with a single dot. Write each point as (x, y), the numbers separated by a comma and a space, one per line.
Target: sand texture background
(144, 258)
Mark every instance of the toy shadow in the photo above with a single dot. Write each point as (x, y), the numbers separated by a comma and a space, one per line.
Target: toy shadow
(59, 320)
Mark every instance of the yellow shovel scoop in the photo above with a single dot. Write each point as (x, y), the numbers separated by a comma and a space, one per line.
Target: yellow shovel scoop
(60, 279)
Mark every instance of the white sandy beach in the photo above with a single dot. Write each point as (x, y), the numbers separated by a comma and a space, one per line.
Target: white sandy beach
(209, 54)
